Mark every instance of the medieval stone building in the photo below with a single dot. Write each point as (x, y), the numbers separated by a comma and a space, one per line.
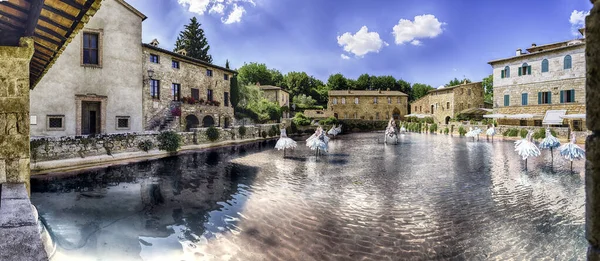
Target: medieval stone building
(277, 95)
(546, 78)
(181, 92)
(446, 103)
(368, 105)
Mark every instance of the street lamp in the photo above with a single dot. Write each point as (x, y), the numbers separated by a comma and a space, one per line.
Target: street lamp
(150, 73)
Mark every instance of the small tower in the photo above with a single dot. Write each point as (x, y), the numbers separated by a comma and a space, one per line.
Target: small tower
(182, 52)
(154, 43)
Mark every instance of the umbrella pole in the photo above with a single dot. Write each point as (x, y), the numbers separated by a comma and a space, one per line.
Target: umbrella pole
(284, 152)
(525, 164)
(552, 154)
(571, 166)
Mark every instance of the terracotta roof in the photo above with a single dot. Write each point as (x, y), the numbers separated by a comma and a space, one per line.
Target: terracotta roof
(51, 23)
(186, 58)
(366, 93)
(453, 87)
(270, 87)
(535, 50)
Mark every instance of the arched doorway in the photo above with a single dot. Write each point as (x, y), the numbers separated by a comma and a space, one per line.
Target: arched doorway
(335, 115)
(226, 122)
(396, 114)
(208, 121)
(447, 119)
(191, 121)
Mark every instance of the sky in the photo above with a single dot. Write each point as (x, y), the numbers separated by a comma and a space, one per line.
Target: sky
(424, 41)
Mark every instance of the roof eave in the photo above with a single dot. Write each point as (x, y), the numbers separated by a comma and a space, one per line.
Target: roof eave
(189, 59)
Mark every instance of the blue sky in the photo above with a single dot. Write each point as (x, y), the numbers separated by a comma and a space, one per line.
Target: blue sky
(425, 41)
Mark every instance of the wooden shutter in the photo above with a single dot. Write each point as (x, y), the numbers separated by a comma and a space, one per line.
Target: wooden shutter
(505, 100)
(549, 97)
(539, 98)
(502, 74)
(573, 95)
(562, 96)
(520, 68)
(529, 70)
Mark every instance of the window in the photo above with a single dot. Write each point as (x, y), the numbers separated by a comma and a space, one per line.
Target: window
(345, 115)
(154, 58)
(209, 96)
(567, 62)
(155, 89)
(176, 91)
(545, 65)
(505, 73)
(415, 108)
(56, 122)
(375, 100)
(356, 115)
(355, 100)
(469, 106)
(577, 125)
(175, 64)
(90, 49)
(506, 100)
(209, 73)
(567, 96)
(398, 100)
(334, 100)
(226, 99)
(343, 100)
(420, 108)
(195, 94)
(226, 77)
(389, 100)
(524, 98)
(523, 122)
(544, 98)
(448, 105)
(537, 123)
(122, 123)
(469, 92)
(524, 69)
(377, 115)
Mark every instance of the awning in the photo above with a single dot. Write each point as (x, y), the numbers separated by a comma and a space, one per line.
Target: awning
(495, 116)
(420, 116)
(523, 116)
(553, 117)
(574, 116)
(475, 111)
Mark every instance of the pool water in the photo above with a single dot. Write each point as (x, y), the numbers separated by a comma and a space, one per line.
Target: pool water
(431, 197)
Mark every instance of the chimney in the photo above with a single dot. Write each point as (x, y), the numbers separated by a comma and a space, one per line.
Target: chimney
(465, 81)
(519, 52)
(154, 42)
(533, 45)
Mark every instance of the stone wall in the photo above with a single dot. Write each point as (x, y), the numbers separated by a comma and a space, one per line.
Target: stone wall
(421, 106)
(366, 109)
(57, 148)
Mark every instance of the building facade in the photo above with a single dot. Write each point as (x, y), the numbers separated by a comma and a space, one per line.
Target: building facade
(94, 86)
(277, 95)
(368, 105)
(181, 92)
(547, 77)
(444, 104)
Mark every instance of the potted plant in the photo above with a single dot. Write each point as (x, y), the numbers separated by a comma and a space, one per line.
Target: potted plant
(176, 112)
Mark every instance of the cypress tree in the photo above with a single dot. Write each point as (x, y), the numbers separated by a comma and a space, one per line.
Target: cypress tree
(193, 40)
(227, 63)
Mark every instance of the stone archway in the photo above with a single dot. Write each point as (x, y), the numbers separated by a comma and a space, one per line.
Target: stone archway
(191, 121)
(396, 114)
(447, 119)
(208, 121)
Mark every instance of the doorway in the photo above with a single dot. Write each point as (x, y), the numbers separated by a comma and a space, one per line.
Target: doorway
(90, 118)
(447, 119)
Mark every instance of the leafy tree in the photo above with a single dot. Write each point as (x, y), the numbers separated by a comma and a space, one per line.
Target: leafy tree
(420, 90)
(383, 83)
(302, 101)
(320, 94)
(252, 73)
(363, 82)
(455, 82)
(300, 120)
(337, 82)
(405, 87)
(193, 40)
(488, 88)
(277, 79)
(297, 82)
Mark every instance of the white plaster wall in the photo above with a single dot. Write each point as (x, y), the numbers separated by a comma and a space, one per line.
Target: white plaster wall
(120, 77)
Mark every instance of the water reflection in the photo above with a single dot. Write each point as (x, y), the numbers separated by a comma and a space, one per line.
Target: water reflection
(433, 197)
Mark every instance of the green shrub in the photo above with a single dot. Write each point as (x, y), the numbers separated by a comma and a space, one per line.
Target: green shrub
(242, 131)
(145, 145)
(272, 131)
(446, 130)
(429, 120)
(264, 134)
(541, 133)
(523, 133)
(511, 133)
(301, 120)
(329, 121)
(212, 133)
(169, 141)
(433, 128)
(462, 131)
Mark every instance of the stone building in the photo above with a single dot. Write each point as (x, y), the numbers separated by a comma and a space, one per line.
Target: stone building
(276, 95)
(318, 114)
(546, 80)
(445, 103)
(181, 92)
(94, 86)
(368, 105)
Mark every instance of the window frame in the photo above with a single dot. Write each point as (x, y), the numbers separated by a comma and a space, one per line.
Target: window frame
(506, 100)
(174, 62)
(570, 62)
(226, 99)
(356, 100)
(545, 65)
(55, 116)
(374, 100)
(176, 86)
(226, 77)
(209, 72)
(545, 98)
(99, 47)
(209, 95)
(154, 55)
(524, 99)
(117, 118)
(197, 96)
(154, 94)
(334, 101)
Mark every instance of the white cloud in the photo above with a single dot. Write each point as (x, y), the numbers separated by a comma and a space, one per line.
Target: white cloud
(415, 42)
(362, 42)
(230, 11)
(345, 57)
(577, 20)
(424, 26)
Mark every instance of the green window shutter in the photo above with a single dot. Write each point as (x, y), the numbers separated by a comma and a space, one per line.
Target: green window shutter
(539, 98)
(549, 97)
(506, 100)
(520, 68)
(529, 70)
(562, 98)
(502, 74)
(573, 95)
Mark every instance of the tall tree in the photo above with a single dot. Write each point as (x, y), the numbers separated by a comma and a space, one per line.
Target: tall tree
(420, 90)
(383, 83)
(234, 90)
(456, 81)
(488, 88)
(252, 73)
(297, 83)
(337, 82)
(363, 82)
(405, 87)
(277, 79)
(193, 40)
(227, 63)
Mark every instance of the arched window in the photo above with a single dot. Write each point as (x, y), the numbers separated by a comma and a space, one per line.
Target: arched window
(334, 100)
(525, 69)
(505, 73)
(567, 62)
(545, 65)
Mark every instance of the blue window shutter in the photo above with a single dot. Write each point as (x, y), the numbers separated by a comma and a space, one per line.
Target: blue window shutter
(549, 97)
(520, 68)
(529, 70)
(545, 65)
(539, 98)
(562, 98)
(502, 74)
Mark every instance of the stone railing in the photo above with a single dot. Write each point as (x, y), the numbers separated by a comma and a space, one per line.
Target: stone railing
(57, 148)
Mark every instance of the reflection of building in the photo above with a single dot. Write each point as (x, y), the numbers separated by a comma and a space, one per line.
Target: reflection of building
(368, 105)
(276, 95)
(176, 82)
(94, 86)
(318, 114)
(445, 103)
(546, 78)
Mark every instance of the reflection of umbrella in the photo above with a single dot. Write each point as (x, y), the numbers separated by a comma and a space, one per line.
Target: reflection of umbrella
(571, 151)
(550, 142)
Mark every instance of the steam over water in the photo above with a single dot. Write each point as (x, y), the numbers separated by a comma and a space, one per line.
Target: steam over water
(432, 197)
